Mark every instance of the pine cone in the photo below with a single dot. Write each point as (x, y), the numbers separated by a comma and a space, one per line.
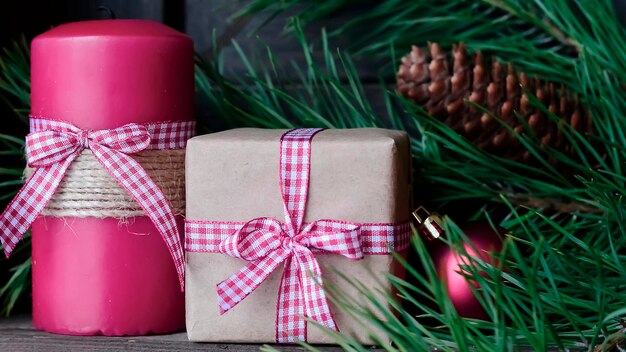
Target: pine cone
(441, 87)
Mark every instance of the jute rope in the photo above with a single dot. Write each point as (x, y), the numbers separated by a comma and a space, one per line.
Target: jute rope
(87, 190)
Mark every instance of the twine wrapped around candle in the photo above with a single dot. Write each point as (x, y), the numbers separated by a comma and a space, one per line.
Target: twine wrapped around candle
(88, 190)
(52, 146)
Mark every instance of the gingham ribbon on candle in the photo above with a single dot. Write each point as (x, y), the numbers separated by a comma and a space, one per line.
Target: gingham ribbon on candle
(53, 145)
(266, 243)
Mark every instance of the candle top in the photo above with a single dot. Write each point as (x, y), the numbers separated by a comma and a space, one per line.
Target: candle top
(111, 28)
(106, 73)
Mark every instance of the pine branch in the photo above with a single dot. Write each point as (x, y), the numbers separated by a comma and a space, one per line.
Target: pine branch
(541, 296)
(552, 205)
(376, 26)
(17, 286)
(15, 77)
(15, 93)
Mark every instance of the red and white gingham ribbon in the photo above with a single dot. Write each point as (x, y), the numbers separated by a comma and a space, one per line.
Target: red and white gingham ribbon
(53, 145)
(265, 243)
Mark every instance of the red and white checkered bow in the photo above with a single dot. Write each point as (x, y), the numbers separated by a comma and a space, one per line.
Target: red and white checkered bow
(265, 243)
(53, 145)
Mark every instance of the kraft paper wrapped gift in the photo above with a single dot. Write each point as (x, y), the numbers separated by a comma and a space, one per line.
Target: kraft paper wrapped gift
(358, 175)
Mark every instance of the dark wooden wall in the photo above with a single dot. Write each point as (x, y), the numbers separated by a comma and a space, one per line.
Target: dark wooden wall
(198, 18)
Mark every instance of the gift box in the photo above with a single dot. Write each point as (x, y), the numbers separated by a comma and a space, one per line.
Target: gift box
(258, 200)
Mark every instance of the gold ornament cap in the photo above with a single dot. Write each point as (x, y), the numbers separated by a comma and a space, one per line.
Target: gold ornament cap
(428, 224)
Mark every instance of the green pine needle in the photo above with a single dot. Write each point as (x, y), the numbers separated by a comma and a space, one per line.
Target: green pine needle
(15, 93)
(560, 281)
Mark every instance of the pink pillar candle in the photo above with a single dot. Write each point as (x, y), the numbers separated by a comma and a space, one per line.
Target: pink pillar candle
(96, 276)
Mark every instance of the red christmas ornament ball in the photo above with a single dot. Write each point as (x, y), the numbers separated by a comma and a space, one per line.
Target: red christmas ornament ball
(449, 264)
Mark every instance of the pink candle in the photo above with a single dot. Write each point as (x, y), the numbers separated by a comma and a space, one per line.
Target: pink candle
(100, 276)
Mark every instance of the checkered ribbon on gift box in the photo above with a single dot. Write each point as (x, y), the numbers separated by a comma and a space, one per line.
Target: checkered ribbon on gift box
(52, 146)
(266, 243)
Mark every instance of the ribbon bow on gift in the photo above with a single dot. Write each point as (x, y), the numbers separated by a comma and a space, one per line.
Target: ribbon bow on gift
(53, 145)
(266, 243)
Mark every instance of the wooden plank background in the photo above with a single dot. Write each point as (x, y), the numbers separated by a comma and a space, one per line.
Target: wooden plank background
(201, 18)
(18, 335)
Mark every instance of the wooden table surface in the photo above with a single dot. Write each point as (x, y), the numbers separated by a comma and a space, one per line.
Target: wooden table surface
(17, 334)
